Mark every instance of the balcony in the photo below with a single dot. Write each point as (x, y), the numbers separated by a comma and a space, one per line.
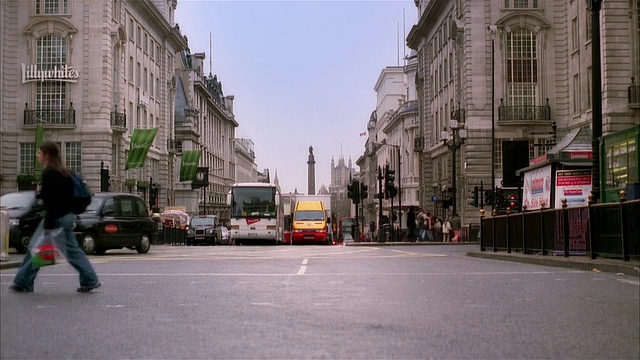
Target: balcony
(634, 95)
(118, 121)
(174, 146)
(56, 117)
(524, 114)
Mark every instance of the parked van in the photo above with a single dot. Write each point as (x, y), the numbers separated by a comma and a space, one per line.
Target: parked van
(310, 223)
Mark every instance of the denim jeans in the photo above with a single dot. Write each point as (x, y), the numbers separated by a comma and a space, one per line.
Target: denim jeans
(26, 275)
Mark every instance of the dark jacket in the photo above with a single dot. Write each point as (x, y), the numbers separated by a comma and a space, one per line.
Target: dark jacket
(57, 196)
(411, 218)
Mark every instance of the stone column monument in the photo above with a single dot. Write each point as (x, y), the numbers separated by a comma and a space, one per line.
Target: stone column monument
(311, 173)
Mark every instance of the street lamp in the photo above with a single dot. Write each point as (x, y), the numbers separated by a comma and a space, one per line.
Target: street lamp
(596, 96)
(458, 134)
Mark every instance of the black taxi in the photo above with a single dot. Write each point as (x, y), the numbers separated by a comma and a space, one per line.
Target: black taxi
(205, 229)
(115, 221)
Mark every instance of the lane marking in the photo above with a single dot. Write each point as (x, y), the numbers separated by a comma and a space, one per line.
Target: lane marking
(289, 274)
(261, 304)
(305, 261)
(302, 270)
(632, 282)
(114, 306)
(46, 306)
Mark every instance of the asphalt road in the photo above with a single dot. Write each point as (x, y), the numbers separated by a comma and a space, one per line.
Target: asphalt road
(321, 302)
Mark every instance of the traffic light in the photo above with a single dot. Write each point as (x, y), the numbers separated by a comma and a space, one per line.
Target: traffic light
(488, 197)
(104, 180)
(350, 191)
(364, 191)
(474, 197)
(353, 191)
(389, 188)
(153, 195)
(512, 202)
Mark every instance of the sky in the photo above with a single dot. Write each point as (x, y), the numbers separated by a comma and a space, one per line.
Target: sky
(302, 73)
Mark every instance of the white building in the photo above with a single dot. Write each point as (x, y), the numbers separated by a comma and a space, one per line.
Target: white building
(246, 167)
(112, 64)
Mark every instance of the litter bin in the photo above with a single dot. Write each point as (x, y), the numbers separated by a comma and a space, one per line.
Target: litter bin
(474, 233)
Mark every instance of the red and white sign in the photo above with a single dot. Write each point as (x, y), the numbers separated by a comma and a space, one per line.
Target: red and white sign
(252, 221)
(573, 185)
(581, 155)
(537, 188)
(111, 229)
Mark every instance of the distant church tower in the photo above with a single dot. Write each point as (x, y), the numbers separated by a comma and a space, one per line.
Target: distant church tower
(311, 173)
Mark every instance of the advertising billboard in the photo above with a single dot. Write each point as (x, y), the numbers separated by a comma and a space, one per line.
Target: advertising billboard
(537, 188)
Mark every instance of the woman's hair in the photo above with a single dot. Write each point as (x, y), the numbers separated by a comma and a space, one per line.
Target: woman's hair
(53, 152)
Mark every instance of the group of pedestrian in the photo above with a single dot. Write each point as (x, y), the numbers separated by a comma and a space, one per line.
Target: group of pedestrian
(422, 226)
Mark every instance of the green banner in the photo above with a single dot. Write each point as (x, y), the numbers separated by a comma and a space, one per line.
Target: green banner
(141, 141)
(37, 167)
(189, 164)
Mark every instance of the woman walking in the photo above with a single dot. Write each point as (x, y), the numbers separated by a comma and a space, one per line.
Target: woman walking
(56, 192)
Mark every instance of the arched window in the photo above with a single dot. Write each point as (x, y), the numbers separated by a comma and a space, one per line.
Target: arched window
(522, 68)
(51, 55)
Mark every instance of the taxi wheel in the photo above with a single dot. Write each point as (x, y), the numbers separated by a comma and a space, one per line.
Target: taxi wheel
(23, 246)
(145, 244)
(88, 244)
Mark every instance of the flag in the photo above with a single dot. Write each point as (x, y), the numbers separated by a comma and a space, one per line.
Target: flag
(37, 167)
(189, 164)
(141, 141)
(363, 133)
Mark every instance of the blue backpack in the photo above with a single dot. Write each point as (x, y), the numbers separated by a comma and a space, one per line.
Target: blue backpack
(81, 194)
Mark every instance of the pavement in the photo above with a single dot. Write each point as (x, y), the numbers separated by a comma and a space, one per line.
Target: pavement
(578, 262)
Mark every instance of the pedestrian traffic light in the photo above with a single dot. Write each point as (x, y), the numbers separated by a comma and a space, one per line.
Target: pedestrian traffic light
(350, 191)
(488, 197)
(512, 202)
(153, 195)
(389, 187)
(104, 180)
(474, 197)
(364, 191)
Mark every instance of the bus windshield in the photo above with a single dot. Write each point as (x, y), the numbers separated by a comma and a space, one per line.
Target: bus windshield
(255, 202)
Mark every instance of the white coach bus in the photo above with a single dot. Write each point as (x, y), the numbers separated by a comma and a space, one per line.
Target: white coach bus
(257, 214)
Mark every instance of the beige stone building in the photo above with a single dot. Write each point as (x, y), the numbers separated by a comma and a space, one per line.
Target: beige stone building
(523, 66)
(89, 72)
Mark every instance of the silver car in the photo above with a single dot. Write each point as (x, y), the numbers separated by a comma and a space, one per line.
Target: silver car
(226, 236)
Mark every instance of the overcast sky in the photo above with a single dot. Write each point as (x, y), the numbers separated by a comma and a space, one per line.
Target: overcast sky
(302, 73)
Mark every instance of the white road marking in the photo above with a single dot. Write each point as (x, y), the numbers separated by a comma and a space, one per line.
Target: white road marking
(114, 306)
(322, 304)
(148, 282)
(302, 270)
(261, 304)
(49, 282)
(561, 279)
(305, 261)
(632, 282)
(187, 304)
(46, 306)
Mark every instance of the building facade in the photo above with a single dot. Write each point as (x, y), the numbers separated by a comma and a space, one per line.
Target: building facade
(246, 167)
(204, 121)
(89, 73)
(341, 174)
(517, 76)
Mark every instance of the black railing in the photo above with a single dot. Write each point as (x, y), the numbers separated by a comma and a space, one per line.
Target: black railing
(524, 112)
(614, 231)
(118, 119)
(49, 116)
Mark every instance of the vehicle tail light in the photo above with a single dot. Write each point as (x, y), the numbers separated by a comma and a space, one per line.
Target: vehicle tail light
(271, 227)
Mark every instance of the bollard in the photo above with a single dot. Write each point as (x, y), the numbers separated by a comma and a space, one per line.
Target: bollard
(4, 235)
(565, 227)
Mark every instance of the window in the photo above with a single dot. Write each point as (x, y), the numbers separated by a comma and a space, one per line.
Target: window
(139, 36)
(576, 94)
(127, 206)
(151, 85)
(131, 69)
(146, 42)
(589, 86)
(138, 74)
(522, 68)
(575, 39)
(540, 147)
(73, 156)
(27, 158)
(51, 52)
(51, 6)
(145, 81)
(498, 157)
(131, 28)
(521, 4)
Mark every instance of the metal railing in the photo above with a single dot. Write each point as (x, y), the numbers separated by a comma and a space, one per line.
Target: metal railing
(607, 230)
(118, 119)
(524, 112)
(50, 116)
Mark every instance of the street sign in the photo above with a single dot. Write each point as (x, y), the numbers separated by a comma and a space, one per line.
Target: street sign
(434, 198)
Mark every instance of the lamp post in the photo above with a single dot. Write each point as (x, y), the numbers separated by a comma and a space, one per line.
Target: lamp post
(493, 29)
(458, 135)
(596, 94)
